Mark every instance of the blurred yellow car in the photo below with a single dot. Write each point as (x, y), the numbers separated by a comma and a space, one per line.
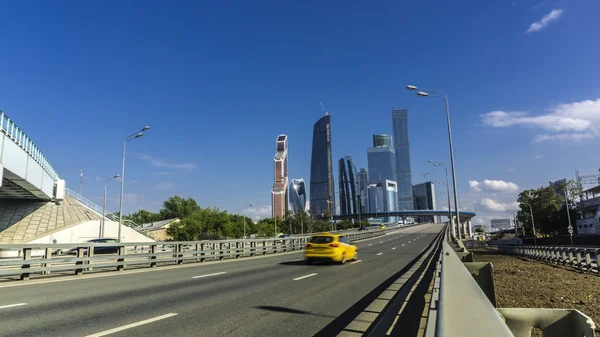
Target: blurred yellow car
(330, 247)
(381, 226)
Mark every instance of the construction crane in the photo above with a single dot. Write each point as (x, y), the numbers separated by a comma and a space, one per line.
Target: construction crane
(593, 179)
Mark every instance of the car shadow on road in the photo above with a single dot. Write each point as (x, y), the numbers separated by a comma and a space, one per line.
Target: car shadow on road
(290, 310)
(303, 263)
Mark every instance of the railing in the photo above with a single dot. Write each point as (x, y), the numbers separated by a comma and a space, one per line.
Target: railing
(47, 258)
(8, 127)
(90, 204)
(577, 257)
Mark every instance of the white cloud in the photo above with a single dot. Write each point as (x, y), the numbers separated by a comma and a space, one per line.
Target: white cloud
(567, 122)
(98, 178)
(494, 206)
(165, 186)
(554, 15)
(538, 156)
(160, 163)
(258, 212)
(492, 185)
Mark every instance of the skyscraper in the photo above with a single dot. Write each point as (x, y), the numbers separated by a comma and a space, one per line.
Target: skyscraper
(279, 198)
(402, 167)
(381, 159)
(424, 195)
(382, 140)
(322, 196)
(363, 181)
(348, 186)
(297, 195)
(383, 198)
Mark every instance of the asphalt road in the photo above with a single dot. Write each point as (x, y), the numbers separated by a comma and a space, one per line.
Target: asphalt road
(274, 295)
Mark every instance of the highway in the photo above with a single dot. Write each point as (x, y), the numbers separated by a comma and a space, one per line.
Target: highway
(273, 295)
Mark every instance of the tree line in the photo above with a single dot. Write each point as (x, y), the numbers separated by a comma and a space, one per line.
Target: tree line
(210, 223)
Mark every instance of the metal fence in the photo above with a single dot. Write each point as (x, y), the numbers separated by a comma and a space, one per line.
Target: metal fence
(48, 258)
(8, 127)
(577, 257)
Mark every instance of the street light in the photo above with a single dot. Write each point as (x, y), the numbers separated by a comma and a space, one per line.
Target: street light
(532, 223)
(101, 234)
(127, 140)
(514, 214)
(331, 213)
(443, 97)
(434, 163)
(244, 216)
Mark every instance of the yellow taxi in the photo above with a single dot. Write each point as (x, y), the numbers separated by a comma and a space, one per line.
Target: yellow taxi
(381, 226)
(330, 247)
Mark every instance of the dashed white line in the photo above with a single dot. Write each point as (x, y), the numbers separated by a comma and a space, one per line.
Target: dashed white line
(354, 262)
(393, 248)
(380, 241)
(402, 245)
(379, 254)
(207, 275)
(305, 276)
(12, 305)
(370, 244)
(132, 325)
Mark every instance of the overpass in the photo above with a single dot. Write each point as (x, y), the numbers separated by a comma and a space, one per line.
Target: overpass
(464, 216)
(25, 173)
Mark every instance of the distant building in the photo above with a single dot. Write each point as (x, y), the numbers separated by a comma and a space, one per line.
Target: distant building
(322, 196)
(348, 187)
(363, 184)
(381, 161)
(424, 198)
(590, 208)
(159, 228)
(402, 153)
(297, 193)
(382, 140)
(383, 198)
(279, 198)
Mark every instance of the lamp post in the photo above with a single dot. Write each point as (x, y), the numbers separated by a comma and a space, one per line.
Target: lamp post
(244, 216)
(331, 213)
(101, 234)
(532, 223)
(434, 163)
(443, 97)
(127, 140)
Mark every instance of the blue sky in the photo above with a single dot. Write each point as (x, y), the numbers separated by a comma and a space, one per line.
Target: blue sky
(218, 81)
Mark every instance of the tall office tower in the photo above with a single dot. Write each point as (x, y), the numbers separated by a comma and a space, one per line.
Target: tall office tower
(363, 182)
(382, 140)
(424, 195)
(381, 159)
(279, 198)
(297, 194)
(383, 198)
(349, 188)
(402, 149)
(322, 196)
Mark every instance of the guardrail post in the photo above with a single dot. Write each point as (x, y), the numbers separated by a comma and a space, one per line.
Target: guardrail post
(237, 250)
(179, 253)
(571, 257)
(47, 256)
(588, 259)
(220, 251)
(121, 258)
(196, 249)
(252, 248)
(26, 258)
(275, 245)
(153, 256)
(89, 255)
(202, 259)
(80, 254)
(264, 247)
(597, 261)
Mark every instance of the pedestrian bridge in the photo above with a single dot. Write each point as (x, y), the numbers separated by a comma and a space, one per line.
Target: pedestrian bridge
(25, 173)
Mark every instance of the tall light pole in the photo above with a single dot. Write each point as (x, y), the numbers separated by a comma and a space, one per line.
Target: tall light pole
(532, 223)
(424, 93)
(244, 216)
(101, 234)
(127, 140)
(435, 163)
(514, 214)
(331, 213)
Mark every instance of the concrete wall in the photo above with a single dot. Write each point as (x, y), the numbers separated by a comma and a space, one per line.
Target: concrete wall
(90, 230)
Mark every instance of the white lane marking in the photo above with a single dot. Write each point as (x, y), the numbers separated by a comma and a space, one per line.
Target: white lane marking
(379, 254)
(370, 244)
(390, 239)
(132, 325)
(207, 275)
(402, 245)
(12, 305)
(393, 248)
(355, 262)
(380, 241)
(305, 276)
(295, 260)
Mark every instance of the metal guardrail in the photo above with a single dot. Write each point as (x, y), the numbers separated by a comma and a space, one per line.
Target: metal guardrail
(146, 254)
(8, 127)
(576, 257)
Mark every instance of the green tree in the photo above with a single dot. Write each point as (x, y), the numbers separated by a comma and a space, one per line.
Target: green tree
(178, 207)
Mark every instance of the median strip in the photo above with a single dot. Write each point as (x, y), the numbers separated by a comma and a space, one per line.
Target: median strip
(305, 276)
(132, 325)
(12, 305)
(207, 275)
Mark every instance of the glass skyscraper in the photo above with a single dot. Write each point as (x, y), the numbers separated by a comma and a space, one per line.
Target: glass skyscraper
(363, 181)
(383, 198)
(349, 187)
(382, 140)
(402, 163)
(381, 161)
(279, 198)
(297, 193)
(322, 196)
(424, 194)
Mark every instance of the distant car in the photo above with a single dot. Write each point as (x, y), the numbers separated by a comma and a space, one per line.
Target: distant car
(363, 228)
(381, 226)
(282, 236)
(330, 247)
(98, 250)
